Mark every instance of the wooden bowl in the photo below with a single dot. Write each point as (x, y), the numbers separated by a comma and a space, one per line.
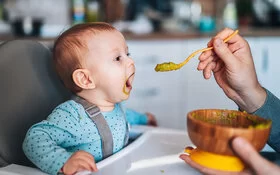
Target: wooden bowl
(211, 130)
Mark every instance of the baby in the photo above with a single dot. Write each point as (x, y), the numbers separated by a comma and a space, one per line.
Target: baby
(92, 60)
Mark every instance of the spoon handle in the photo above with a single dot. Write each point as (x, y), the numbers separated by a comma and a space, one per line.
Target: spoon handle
(208, 48)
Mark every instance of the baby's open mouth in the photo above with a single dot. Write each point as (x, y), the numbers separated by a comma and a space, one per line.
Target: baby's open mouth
(128, 84)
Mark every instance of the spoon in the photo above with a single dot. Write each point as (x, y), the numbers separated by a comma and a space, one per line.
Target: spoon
(169, 66)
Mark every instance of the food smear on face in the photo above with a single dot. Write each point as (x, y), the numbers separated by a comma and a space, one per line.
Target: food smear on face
(124, 87)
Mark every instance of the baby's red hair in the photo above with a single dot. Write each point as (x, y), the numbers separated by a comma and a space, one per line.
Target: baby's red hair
(71, 47)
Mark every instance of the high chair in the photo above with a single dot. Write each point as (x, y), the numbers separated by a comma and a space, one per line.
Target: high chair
(29, 91)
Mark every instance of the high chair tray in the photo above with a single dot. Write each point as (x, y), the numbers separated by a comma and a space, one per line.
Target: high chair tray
(155, 151)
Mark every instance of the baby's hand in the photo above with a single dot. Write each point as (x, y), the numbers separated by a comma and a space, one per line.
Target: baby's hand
(151, 119)
(79, 161)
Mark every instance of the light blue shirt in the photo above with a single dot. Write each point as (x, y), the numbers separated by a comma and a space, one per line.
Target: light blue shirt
(50, 143)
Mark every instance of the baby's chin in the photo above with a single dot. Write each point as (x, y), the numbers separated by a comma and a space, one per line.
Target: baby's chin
(122, 96)
(126, 97)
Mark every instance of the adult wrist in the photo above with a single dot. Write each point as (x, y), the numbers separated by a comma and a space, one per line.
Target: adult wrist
(252, 100)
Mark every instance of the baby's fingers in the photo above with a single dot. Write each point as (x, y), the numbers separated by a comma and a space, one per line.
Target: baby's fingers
(83, 165)
(87, 157)
(93, 165)
(87, 163)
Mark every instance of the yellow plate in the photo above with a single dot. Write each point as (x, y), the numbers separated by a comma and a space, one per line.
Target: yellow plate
(215, 161)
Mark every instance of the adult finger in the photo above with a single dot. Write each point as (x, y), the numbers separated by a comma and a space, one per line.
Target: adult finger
(219, 66)
(248, 154)
(207, 72)
(224, 34)
(223, 52)
(236, 46)
(205, 55)
(204, 63)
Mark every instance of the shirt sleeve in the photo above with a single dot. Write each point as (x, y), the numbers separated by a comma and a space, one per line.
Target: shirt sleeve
(45, 142)
(41, 146)
(136, 118)
(271, 110)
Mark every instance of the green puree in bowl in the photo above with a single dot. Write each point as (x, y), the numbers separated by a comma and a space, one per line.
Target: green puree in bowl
(233, 119)
(259, 125)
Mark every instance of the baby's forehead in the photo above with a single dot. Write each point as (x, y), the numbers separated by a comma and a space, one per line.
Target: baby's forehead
(90, 35)
(107, 38)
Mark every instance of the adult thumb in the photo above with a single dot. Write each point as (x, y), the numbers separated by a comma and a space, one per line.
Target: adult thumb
(248, 154)
(223, 52)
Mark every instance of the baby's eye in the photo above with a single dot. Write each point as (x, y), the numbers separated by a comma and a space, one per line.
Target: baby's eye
(128, 54)
(118, 58)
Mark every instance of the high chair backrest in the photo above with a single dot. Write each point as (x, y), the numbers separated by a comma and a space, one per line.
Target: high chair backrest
(29, 91)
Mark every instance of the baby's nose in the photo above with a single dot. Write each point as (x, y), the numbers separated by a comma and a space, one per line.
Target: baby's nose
(130, 61)
(130, 64)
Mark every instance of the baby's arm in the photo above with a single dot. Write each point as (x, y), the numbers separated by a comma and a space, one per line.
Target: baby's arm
(136, 118)
(42, 147)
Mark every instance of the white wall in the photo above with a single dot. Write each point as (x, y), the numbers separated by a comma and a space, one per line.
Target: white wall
(52, 11)
(171, 95)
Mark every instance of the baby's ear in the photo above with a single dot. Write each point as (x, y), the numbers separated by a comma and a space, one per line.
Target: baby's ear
(83, 79)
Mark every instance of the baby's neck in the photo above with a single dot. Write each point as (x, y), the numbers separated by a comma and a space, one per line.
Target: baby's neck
(106, 108)
(102, 104)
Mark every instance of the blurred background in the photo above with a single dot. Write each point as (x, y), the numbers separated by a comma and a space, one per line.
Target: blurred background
(47, 18)
(160, 31)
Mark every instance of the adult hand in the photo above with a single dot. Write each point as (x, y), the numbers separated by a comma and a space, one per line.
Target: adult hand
(255, 163)
(233, 68)
(79, 161)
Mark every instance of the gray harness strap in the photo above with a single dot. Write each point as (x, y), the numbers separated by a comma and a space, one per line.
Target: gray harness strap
(126, 137)
(101, 124)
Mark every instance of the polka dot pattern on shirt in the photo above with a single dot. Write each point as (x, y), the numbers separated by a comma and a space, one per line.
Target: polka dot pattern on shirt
(50, 143)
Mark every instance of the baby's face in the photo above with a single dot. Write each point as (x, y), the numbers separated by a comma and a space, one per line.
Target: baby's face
(110, 65)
